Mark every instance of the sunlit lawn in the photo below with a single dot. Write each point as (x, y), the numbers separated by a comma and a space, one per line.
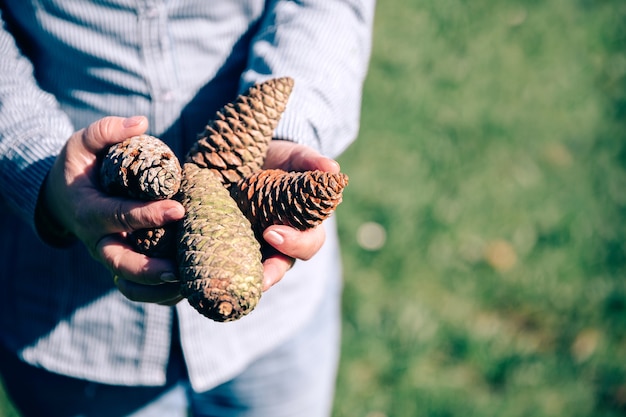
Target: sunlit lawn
(492, 156)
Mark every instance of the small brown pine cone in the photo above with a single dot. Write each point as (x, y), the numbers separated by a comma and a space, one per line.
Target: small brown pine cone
(144, 167)
(234, 145)
(159, 242)
(298, 199)
(141, 167)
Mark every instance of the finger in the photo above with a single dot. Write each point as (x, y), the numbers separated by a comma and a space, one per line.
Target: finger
(132, 266)
(294, 243)
(108, 215)
(290, 156)
(110, 130)
(274, 269)
(173, 301)
(161, 294)
(305, 161)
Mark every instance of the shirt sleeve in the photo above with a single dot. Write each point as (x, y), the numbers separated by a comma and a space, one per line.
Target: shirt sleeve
(33, 129)
(325, 46)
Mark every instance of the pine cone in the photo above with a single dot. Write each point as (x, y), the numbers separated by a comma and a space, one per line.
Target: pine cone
(234, 145)
(141, 167)
(159, 242)
(218, 256)
(298, 199)
(144, 167)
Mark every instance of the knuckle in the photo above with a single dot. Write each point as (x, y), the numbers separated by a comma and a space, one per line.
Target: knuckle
(151, 214)
(124, 217)
(306, 256)
(98, 134)
(315, 239)
(101, 128)
(115, 263)
(121, 218)
(113, 260)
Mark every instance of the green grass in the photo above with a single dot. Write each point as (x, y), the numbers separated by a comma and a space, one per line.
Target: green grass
(492, 152)
(6, 408)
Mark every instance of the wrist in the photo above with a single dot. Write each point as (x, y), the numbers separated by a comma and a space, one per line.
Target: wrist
(50, 229)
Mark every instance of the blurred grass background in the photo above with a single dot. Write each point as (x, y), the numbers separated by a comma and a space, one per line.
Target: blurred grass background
(484, 225)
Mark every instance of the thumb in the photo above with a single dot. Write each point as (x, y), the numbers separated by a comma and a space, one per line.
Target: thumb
(111, 130)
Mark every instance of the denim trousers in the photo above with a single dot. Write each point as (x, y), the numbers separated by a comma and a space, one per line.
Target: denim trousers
(297, 379)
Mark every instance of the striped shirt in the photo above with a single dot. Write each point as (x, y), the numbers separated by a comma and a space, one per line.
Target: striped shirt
(67, 63)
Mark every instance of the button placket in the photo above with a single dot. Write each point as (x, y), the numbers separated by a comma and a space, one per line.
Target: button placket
(158, 63)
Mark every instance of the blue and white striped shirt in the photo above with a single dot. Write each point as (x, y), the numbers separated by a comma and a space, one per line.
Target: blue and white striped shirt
(67, 63)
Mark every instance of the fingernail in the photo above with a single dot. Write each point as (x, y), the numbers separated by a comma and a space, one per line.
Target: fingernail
(269, 277)
(274, 238)
(132, 121)
(168, 277)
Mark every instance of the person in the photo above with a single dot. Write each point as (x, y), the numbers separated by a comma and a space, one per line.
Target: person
(79, 76)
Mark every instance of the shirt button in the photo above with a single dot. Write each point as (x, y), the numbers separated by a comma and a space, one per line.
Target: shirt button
(152, 12)
(168, 95)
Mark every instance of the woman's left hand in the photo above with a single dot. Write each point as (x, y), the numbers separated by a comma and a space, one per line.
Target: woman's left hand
(289, 243)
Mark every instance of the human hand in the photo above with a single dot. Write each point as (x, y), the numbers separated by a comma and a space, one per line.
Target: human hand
(289, 244)
(71, 195)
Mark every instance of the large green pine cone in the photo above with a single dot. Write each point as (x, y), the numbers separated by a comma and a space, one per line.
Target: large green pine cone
(235, 143)
(219, 258)
(141, 167)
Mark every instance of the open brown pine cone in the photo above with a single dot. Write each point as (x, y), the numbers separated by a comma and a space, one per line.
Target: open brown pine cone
(298, 199)
(234, 144)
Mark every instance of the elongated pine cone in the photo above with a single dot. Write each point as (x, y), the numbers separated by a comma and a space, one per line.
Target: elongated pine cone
(234, 145)
(141, 167)
(219, 258)
(298, 199)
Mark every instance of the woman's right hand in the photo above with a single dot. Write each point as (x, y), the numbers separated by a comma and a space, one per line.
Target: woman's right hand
(72, 197)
